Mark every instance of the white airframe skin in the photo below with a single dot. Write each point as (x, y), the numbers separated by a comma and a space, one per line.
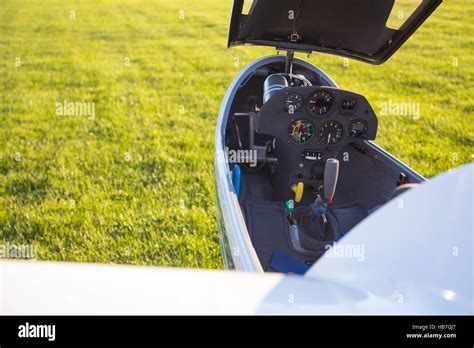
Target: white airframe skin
(417, 260)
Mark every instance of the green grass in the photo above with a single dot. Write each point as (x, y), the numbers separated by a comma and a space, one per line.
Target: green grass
(135, 184)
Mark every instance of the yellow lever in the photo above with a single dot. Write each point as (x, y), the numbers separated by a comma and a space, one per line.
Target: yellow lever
(298, 190)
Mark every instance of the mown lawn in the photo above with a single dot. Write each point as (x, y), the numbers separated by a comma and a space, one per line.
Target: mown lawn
(134, 184)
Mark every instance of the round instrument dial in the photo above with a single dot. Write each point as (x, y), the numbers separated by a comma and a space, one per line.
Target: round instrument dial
(293, 102)
(330, 132)
(319, 103)
(301, 131)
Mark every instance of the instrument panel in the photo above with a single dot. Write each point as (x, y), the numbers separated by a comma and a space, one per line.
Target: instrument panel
(317, 116)
(311, 124)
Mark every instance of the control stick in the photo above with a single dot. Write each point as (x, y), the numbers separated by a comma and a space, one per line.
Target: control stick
(331, 173)
(321, 204)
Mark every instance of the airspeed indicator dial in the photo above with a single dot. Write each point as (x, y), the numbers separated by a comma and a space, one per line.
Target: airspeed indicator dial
(293, 102)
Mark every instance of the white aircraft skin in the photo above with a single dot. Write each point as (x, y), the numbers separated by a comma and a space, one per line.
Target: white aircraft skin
(417, 260)
(418, 248)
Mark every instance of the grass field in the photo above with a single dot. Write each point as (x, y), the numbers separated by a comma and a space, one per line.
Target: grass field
(134, 183)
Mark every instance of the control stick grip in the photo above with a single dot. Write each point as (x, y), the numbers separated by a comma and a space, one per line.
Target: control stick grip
(331, 173)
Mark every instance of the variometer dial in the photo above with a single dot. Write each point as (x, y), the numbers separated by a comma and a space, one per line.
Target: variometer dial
(330, 132)
(301, 131)
(319, 103)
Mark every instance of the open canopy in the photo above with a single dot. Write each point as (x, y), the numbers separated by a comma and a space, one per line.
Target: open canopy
(367, 30)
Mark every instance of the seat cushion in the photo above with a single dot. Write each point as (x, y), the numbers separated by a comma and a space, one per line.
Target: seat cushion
(349, 215)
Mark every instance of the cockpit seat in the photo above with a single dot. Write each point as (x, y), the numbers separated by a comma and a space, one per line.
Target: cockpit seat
(314, 234)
